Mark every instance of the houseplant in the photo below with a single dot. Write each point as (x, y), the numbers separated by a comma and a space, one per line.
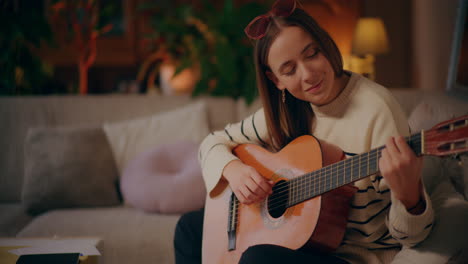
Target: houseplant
(210, 38)
(22, 30)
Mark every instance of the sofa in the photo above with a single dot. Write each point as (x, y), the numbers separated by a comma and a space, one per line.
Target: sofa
(35, 131)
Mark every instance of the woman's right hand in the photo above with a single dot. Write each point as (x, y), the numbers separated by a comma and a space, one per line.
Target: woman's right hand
(246, 183)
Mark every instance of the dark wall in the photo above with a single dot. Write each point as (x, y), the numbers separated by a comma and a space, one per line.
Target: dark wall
(394, 68)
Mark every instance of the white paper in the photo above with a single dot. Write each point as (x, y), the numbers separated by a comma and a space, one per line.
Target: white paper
(83, 246)
(84, 250)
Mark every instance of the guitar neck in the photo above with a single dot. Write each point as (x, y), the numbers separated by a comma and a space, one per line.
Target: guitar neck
(341, 173)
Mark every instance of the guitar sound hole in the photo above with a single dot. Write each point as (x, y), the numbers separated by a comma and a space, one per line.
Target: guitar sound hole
(277, 201)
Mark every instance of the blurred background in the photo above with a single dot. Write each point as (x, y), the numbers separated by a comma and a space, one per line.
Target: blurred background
(136, 46)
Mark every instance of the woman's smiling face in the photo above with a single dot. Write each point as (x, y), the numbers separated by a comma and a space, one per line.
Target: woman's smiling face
(298, 65)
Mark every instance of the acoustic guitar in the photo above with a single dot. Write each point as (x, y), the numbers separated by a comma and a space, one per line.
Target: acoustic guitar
(311, 194)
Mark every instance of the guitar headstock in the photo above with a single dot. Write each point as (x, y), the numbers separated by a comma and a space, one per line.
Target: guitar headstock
(447, 138)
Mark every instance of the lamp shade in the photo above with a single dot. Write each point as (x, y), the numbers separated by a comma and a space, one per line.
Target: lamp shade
(370, 37)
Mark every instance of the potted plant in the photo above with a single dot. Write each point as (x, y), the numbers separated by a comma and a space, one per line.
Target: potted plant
(210, 39)
(23, 29)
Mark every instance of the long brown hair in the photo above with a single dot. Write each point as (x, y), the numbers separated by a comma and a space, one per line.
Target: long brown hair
(289, 120)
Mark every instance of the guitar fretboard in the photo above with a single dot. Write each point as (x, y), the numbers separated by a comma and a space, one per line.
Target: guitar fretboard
(341, 173)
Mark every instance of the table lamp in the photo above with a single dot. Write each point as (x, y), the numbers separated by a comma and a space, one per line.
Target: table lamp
(370, 38)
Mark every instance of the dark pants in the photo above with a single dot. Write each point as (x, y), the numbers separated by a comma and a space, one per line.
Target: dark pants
(188, 242)
(188, 238)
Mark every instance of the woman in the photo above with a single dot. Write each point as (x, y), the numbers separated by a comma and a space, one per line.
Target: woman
(304, 90)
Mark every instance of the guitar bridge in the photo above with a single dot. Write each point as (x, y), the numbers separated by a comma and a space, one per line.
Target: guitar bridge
(232, 222)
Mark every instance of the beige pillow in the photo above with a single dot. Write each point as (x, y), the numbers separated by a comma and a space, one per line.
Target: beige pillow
(130, 138)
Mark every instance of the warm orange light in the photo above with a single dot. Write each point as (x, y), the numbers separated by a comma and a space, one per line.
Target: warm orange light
(370, 37)
(182, 83)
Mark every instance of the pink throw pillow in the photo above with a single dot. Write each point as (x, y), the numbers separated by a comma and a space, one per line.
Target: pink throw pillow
(166, 179)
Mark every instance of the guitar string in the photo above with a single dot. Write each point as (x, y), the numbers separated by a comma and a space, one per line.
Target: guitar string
(324, 172)
(376, 153)
(372, 152)
(351, 160)
(284, 185)
(281, 198)
(310, 182)
(306, 182)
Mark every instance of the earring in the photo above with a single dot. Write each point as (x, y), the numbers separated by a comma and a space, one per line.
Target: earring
(283, 96)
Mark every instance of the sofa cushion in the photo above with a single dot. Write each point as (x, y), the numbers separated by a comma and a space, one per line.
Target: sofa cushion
(447, 238)
(457, 171)
(132, 137)
(128, 235)
(438, 169)
(68, 167)
(221, 111)
(12, 219)
(435, 108)
(17, 114)
(166, 179)
(244, 110)
(407, 98)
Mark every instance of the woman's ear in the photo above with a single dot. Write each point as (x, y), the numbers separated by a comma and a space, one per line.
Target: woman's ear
(275, 80)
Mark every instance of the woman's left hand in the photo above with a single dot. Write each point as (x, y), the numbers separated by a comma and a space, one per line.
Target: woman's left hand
(402, 170)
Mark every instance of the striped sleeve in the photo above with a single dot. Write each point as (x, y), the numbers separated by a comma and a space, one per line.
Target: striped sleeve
(409, 229)
(216, 149)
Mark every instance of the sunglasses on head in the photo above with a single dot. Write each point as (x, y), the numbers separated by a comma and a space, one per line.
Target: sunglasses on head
(257, 28)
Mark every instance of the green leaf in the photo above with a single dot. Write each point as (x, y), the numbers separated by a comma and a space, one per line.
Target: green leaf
(224, 88)
(206, 69)
(226, 61)
(185, 12)
(4, 55)
(147, 6)
(106, 13)
(228, 9)
(200, 88)
(184, 64)
(250, 91)
(7, 86)
(198, 48)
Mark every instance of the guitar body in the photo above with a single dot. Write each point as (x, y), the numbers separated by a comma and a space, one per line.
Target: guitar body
(317, 223)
